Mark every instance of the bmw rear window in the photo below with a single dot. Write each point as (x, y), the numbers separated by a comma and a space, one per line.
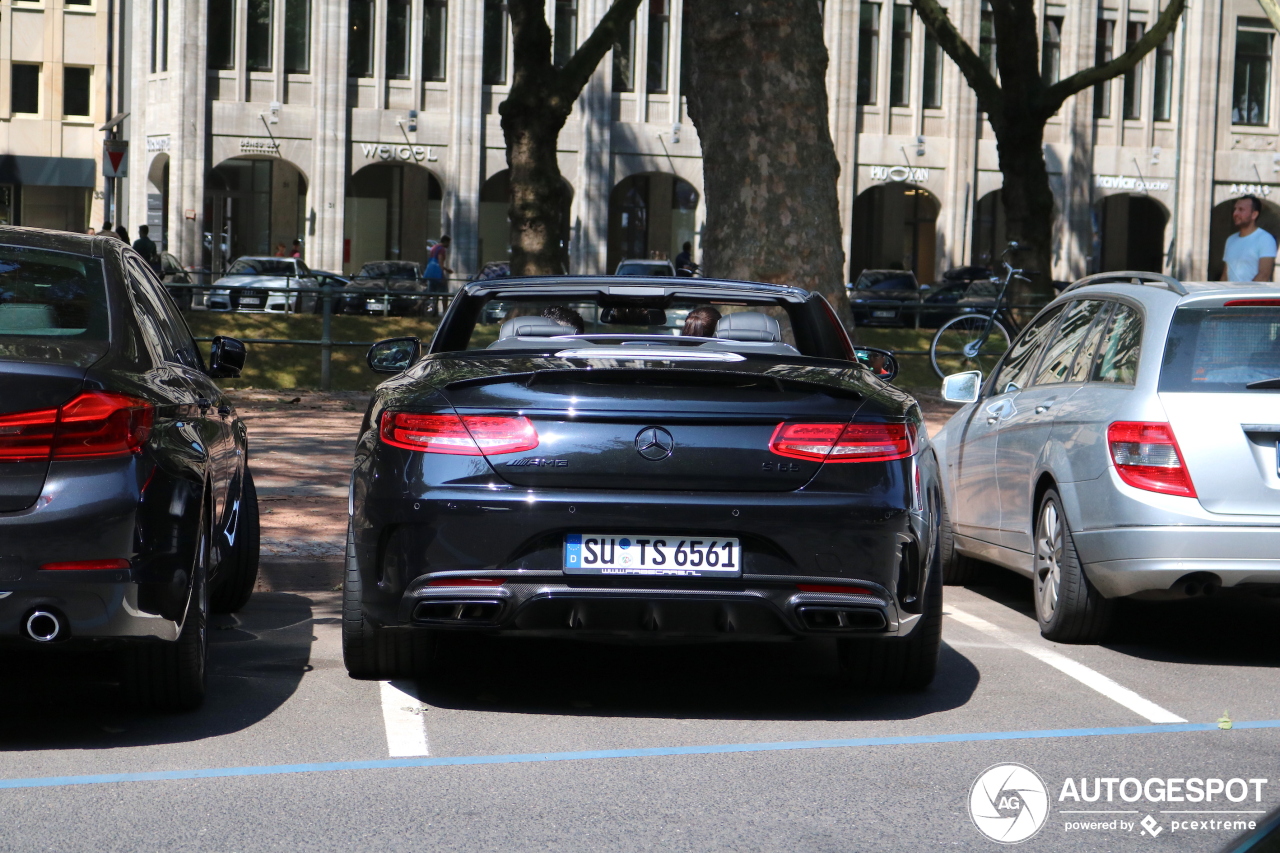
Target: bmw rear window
(1221, 349)
(52, 295)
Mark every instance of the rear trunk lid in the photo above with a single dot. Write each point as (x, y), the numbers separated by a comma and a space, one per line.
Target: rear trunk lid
(653, 428)
(1228, 433)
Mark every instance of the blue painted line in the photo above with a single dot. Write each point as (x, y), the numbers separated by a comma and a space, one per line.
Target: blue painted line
(592, 755)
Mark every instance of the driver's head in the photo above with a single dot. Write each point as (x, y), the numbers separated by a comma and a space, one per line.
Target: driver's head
(565, 317)
(701, 322)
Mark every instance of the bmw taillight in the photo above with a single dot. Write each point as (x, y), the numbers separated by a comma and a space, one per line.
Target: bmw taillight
(467, 435)
(844, 442)
(92, 425)
(1146, 457)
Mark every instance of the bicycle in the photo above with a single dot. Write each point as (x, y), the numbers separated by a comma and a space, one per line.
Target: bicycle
(977, 341)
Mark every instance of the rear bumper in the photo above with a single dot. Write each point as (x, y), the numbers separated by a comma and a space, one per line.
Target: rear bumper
(89, 610)
(1127, 561)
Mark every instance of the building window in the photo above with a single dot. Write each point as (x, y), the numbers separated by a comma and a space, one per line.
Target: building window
(987, 43)
(494, 70)
(1133, 80)
(435, 34)
(900, 58)
(360, 38)
(1104, 49)
(398, 39)
(75, 91)
(25, 89)
(659, 45)
(159, 35)
(933, 59)
(79, 2)
(297, 36)
(566, 33)
(1164, 80)
(868, 52)
(222, 29)
(257, 36)
(1252, 90)
(1051, 51)
(624, 59)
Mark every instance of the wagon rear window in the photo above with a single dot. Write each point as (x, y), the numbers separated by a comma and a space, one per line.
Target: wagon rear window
(1221, 349)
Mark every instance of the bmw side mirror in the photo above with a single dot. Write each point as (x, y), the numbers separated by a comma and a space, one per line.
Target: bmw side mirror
(881, 362)
(394, 355)
(226, 357)
(962, 387)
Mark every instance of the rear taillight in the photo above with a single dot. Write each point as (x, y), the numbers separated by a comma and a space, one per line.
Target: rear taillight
(469, 435)
(92, 425)
(85, 566)
(1146, 457)
(844, 442)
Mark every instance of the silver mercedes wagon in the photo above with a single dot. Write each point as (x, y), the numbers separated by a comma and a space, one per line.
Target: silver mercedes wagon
(1125, 445)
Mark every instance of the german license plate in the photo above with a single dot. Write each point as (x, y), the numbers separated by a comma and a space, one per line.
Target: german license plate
(884, 313)
(375, 305)
(253, 300)
(607, 554)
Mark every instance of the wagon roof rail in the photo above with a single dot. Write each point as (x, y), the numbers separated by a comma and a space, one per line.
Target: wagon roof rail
(1131, 277)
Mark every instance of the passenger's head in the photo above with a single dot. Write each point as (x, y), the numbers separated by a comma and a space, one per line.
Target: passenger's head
(701, 322)
(562, 315)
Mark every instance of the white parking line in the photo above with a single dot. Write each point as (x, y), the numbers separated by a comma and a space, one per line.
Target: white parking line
(1086, 676)
(403, 715)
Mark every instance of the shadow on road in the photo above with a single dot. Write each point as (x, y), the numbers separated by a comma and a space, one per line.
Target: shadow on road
(57, 700)
(738, 681)
(1230, 628)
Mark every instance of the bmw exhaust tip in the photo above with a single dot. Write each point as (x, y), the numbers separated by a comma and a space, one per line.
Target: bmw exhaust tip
(44, 626)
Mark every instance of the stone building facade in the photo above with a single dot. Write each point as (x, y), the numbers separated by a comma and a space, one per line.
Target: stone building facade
(367, 127)
(56, 91)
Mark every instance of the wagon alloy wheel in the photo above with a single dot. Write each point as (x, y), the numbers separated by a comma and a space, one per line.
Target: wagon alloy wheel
(1069, 608)
(1048, 561)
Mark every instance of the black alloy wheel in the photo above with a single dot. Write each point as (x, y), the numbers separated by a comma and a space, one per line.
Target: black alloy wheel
(238, 572)
(373, 652)
(957, 569)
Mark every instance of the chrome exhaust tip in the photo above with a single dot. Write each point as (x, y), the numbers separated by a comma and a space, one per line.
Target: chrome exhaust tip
(44, 626)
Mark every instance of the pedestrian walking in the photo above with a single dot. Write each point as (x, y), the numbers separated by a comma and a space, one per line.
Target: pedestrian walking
(106, 230)
(684, 260)
(147, 248)
(123, 234)
(1250, 254)
(296, 252)
(435, 272)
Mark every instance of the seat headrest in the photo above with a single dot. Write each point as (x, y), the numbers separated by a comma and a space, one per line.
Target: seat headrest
(533, 327)
(748, 326)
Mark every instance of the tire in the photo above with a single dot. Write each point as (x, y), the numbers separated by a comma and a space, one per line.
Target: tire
(373, 652)
(171, 676)
(946, 351)
(957, 569)
(1068, 607)
(239, 574)
(907, 664)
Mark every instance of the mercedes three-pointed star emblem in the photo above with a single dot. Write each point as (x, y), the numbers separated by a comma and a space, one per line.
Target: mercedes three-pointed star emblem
(654, 443)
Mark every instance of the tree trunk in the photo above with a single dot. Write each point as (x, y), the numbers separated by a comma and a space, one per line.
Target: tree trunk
(538, 193)
(1028, 202)
(759, 101)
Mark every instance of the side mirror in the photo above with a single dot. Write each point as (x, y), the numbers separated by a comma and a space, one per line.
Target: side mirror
(394, 355)
(962, 387)
(226, 357)
(881, 362)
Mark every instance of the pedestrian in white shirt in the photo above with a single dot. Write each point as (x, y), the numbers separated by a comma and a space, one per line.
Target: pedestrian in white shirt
(1250, 255)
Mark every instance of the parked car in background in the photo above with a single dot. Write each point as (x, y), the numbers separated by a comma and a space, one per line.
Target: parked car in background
(1125, 446)
(364, 293)
(339, 284)
(646, 266)
(878, 296)
(127, 509)
(940, 302)
(264, 284)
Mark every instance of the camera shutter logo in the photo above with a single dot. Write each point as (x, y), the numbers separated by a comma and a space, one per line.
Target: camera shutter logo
(1008, 803)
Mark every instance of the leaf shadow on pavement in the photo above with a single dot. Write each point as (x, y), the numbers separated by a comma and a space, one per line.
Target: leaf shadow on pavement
(739, 681)
(1229, 628)
(62, 699)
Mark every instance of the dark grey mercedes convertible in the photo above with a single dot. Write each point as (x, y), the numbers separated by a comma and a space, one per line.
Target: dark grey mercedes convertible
(658, 459)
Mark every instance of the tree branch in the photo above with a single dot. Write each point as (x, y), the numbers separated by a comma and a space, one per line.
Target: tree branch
(1122, 64)
(578, 70)
(971, 65)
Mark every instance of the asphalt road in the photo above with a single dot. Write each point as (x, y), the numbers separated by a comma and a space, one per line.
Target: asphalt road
(560, 746)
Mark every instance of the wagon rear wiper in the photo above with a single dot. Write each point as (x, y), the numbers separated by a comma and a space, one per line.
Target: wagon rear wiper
(1264, 384)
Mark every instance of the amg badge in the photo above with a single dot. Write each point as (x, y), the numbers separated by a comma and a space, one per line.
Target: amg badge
(538, 462)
